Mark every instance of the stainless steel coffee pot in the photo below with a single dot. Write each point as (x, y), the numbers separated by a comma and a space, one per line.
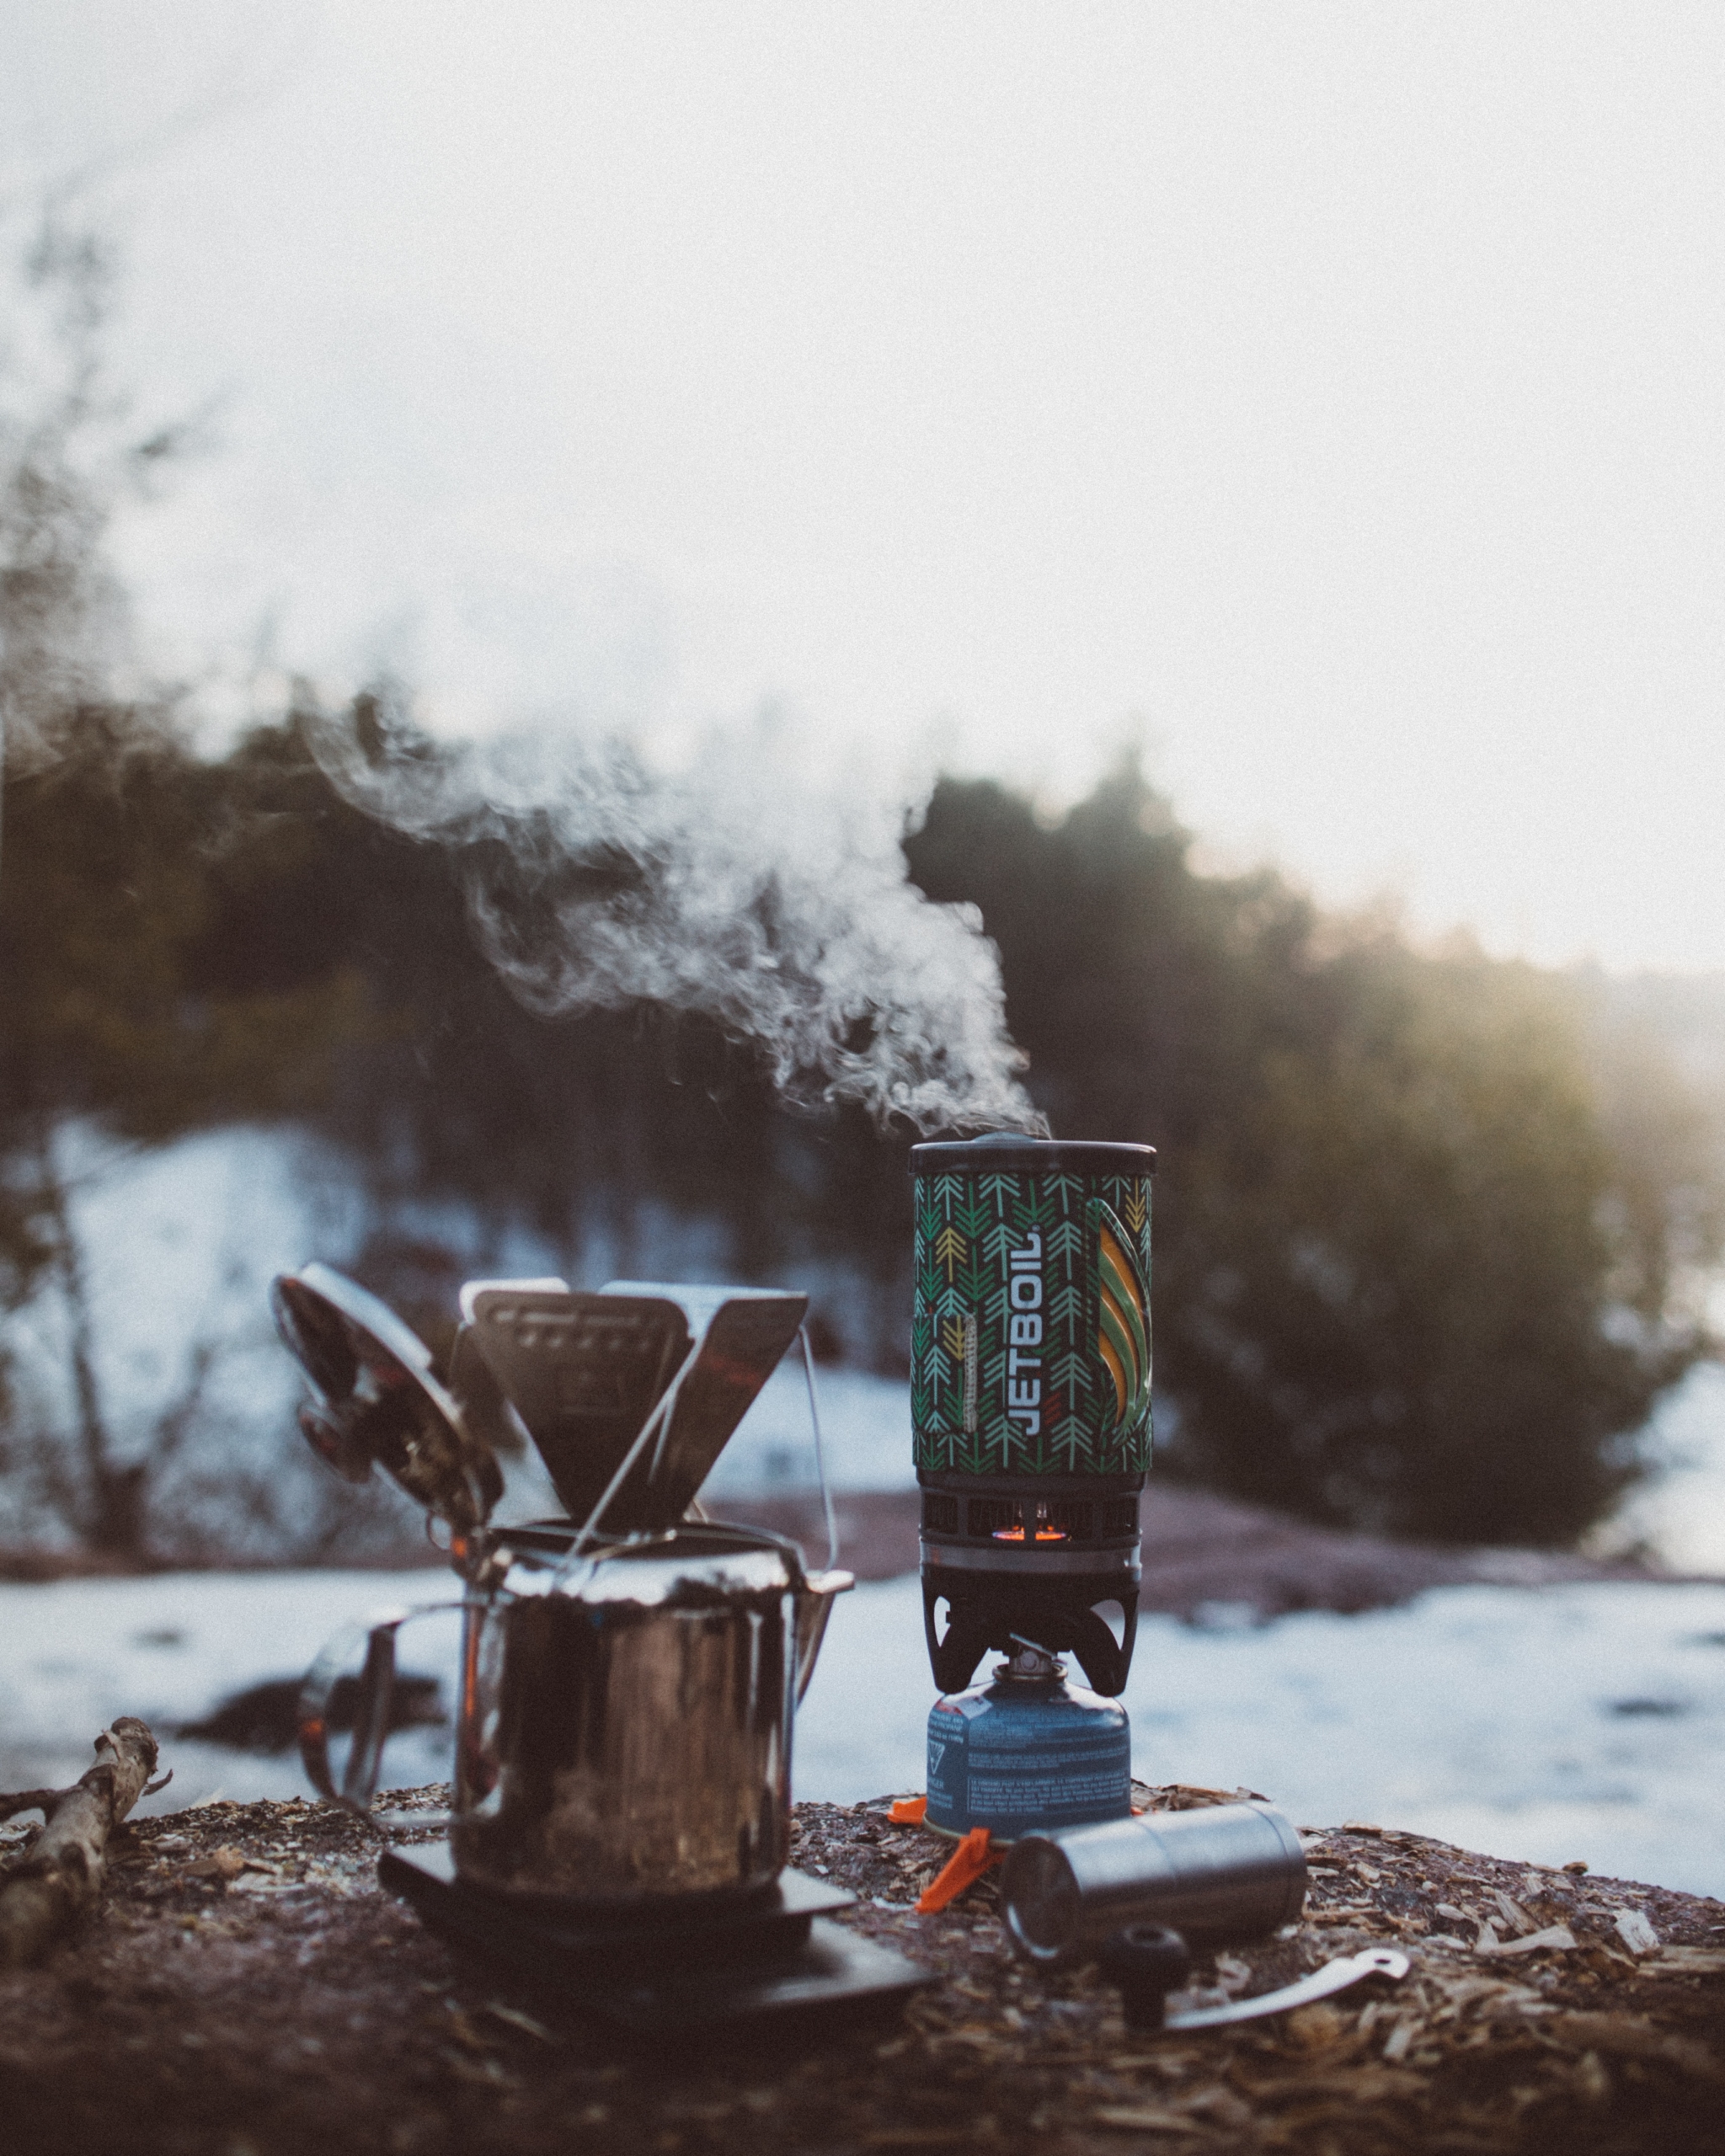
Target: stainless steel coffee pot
(629, 1675)
(623, 1728)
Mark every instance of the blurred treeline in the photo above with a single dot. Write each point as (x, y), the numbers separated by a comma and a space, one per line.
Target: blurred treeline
(1432, 1230)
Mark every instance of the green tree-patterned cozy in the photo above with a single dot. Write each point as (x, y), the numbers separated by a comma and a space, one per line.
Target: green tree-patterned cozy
(1030, 1396)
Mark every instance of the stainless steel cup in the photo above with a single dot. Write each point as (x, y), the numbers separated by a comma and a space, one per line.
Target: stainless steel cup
(623, 1731)
(1219, 1875)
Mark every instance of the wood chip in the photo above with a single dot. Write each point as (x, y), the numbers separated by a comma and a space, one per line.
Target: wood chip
(517, 2019)
(1628, 2035)
(224, 1863)
(1316, 2027)
(1400, 2040)
(1368, 2084)
(1592, 2081)
(1635, 1931)
(1190, 1796)
(1219, 2104)
(1691, 1961)
(1555, 1939)
(1147, 2118)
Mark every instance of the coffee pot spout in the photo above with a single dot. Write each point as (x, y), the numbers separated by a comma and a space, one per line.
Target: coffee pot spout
(813, 1605)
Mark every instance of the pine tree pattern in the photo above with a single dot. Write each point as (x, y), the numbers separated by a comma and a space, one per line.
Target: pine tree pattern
(967, 1228)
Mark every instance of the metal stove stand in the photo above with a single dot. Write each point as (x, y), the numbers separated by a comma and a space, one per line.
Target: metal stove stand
(699, 1964)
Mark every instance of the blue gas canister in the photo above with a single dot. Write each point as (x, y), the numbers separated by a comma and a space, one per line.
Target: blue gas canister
(1027, 1754)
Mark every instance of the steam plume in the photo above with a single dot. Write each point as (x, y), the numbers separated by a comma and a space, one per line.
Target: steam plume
(729, 888)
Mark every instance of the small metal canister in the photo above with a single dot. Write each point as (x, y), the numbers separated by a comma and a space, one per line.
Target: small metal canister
(1219, 1875)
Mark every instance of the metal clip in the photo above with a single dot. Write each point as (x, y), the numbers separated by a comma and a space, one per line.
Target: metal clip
(1333, 1977)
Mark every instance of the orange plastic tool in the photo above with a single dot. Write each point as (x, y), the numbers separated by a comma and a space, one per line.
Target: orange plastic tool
(968, 1862)
(908, 1810)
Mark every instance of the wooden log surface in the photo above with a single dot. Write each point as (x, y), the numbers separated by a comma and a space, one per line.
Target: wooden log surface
(57, 1880)
(246, 1990)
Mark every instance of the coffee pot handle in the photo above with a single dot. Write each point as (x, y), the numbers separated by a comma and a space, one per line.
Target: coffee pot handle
(376, 1696)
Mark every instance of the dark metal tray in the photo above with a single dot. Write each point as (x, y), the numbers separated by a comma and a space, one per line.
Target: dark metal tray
(777, 1954)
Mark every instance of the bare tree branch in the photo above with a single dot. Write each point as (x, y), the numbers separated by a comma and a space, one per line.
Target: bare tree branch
(59, 1878)
(30, 1800)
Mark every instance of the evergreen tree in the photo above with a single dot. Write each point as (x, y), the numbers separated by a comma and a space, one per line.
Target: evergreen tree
(1405, 1278)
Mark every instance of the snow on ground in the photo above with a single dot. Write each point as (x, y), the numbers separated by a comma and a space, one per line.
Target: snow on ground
(1545, 1724)
(75, 1653)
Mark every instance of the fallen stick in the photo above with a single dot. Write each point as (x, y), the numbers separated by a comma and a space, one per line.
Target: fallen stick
(59, 1879)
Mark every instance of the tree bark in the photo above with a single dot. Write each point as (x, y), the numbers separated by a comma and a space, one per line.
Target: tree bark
(59, 1880)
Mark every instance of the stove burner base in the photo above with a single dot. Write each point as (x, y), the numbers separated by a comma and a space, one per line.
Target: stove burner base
(774, 1955)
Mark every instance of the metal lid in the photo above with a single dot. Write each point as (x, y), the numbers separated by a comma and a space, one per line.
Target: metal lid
(694, 1565)
(1010, 1151)
(375, 1401)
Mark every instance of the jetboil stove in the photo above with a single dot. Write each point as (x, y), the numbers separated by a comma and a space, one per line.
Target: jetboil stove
(629, 1671)
(1030, 1403)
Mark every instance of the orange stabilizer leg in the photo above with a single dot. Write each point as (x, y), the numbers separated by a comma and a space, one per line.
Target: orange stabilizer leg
(973, 1857)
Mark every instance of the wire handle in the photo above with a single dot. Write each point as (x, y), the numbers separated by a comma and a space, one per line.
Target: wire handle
(826, 1507)
(657, 1425)
(375, 1695)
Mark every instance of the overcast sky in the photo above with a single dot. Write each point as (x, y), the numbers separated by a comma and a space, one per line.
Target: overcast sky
(1331, 394)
